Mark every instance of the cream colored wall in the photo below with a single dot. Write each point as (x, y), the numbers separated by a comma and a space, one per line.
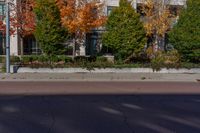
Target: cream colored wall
(14, 42)
(14, 45)
(14, 39)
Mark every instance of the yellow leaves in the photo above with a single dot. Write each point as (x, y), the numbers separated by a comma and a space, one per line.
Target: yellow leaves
(163, 23)
(149, 28)
(157, 17)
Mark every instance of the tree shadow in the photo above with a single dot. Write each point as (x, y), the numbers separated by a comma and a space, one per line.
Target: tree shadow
(103, 113)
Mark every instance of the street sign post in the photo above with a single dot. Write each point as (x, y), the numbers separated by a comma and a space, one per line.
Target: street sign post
(7, 38)
(7, 15)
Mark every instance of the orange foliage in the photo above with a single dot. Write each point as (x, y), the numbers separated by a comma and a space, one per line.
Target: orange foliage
(3, 27)
(25, 20)
(22, 19)
(81, 15)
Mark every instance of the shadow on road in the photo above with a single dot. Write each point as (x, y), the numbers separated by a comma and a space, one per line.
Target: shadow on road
(100, 114)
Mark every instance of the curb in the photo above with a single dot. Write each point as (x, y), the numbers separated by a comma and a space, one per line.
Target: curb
(102, 70)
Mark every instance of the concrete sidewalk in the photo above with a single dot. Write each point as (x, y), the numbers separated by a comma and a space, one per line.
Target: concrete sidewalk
(100, 77)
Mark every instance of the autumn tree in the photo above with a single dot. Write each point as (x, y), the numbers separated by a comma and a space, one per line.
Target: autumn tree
(185, 35)
(22, 20)
(49, 32)
(25, 19)
(80, 17)
(157, 21)
(13, 16)
(125, 33)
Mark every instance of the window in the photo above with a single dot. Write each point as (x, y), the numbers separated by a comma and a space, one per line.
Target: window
(109, 9)
(2, 11)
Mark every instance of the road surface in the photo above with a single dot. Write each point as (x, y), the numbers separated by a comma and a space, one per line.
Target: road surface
(99, 107)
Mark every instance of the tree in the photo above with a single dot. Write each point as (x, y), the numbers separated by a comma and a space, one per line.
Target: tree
(13, 21)
(49, 33)
(157, 21)
(22, 20)
(124, 34)
(25, 19)
(80, 17)
(185, 35)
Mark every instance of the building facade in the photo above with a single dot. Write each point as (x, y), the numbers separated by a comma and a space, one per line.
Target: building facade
(30, 45)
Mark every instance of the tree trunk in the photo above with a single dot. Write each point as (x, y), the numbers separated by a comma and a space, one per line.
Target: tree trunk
(82, 40)
(74, 47)
(3, 45)
(21, 46)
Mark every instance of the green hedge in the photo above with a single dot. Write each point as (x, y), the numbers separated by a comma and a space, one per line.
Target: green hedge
(13, 59)
(41, 58)
(98, 62)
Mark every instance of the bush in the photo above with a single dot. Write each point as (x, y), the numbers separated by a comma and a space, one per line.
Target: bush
(65, 59)
(81, 59)
(2, 59)
(158, 61)
(101, 59)
(97, 64)
(92, 58)
(170, 59)
(189, 65)
(26, 59)
(13, 59)
(43, 59)
(62, 58)
(3, 68)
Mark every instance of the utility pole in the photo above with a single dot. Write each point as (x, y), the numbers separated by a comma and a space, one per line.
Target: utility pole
(7, 37)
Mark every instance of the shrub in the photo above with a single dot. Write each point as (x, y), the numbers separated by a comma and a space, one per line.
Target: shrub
(34, 57)
(189, 65)
(67, 59)
(170, 59)
(43, 58)
(158, 61)
(2, 59)
(25, 59)
(81, 59)
(55, 59)
(14, 59)
(101, 59)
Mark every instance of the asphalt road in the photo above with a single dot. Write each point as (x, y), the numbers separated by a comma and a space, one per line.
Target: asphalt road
(113, 111)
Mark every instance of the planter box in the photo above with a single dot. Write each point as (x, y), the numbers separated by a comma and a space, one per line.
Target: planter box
(106, 70)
